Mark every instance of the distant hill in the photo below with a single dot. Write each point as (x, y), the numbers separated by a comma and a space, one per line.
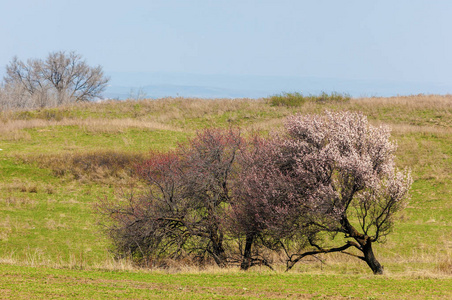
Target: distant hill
(172, 90)
(157, 85)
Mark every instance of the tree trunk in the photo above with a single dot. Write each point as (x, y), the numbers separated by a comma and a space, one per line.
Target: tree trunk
(246, 262)
(366, 246)
(219, 255)
(370, 259)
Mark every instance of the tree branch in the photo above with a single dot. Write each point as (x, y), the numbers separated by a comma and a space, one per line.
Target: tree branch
(291, 262)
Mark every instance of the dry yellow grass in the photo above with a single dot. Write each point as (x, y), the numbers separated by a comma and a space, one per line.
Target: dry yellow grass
(11, 129)
(114, 116)
(439, 267)
(405, 128)
(413, 102)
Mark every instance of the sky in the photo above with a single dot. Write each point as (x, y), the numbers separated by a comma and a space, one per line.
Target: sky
(403, 45)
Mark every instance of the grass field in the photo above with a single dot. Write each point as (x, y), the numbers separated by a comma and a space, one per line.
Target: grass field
(51, 245)
(26, 282)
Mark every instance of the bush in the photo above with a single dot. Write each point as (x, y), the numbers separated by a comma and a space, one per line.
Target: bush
(297, 99)
(180, 212)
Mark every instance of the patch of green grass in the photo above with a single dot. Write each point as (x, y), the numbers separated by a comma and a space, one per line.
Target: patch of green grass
(57, 139)
(45, 219)
(44, 283)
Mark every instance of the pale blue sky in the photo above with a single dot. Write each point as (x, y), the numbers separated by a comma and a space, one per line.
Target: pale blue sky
(399, 41)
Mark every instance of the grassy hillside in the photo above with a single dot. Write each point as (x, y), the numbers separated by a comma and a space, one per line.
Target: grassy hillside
(55, 163)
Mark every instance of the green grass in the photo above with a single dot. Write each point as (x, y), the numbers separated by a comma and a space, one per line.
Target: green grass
(45, 283)
(49, 232)
(57, 139)
(44, 219)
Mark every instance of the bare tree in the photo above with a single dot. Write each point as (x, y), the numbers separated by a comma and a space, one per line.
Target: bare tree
(24, 86)
(61, 78)
(72, 77)
(149, 226)
(183, 209)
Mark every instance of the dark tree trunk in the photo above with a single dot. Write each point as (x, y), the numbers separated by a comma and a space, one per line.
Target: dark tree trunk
(219, 255)
(370, 259)
(246, 262)
(365, 245)
(218, 252)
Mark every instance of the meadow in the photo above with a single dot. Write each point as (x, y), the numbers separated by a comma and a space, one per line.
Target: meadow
(56, 163)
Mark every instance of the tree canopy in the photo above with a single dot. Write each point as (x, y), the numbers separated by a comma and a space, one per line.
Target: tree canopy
(59, 79)
(324, 175)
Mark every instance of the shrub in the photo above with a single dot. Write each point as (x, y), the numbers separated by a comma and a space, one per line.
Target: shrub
(182, 209)
(297, 99)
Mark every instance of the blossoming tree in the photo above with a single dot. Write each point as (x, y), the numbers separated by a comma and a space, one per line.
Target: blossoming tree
(331, 173)
(326, 175)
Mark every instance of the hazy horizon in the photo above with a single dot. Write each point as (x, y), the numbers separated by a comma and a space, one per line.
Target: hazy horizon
(358, 47)
(157, 85)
